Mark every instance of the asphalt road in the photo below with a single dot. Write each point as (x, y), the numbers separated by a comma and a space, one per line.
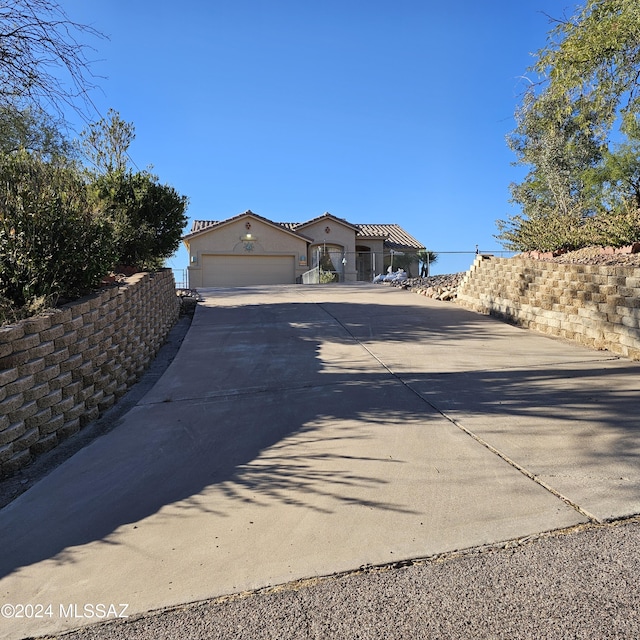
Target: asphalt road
(581, 583)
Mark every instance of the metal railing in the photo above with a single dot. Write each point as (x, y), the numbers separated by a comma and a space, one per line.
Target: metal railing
(181, 276)
(312, 276)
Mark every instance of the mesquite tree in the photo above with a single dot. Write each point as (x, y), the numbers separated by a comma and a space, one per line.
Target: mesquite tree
(577, 134)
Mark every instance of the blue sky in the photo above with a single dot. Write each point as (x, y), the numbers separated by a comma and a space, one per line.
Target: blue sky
(376, 111)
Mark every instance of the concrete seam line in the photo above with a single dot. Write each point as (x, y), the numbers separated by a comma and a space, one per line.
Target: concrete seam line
(229, 394)
(513, 463)
(470, 433)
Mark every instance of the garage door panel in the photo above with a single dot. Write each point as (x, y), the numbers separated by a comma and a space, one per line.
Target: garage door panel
(239, 271)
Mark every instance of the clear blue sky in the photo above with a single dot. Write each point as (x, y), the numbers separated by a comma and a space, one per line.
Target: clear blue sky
(376, 111)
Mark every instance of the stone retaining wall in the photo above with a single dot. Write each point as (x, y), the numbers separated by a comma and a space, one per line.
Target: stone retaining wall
(594, 305)
(62, 369)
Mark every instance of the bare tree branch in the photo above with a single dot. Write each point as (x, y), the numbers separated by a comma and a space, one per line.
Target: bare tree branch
(43, 58)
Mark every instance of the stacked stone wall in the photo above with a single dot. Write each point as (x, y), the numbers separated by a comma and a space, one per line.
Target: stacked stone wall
(594, 305)
(61, 370)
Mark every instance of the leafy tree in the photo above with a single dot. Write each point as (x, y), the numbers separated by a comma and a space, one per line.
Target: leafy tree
(147, 217)
(35, 131)
(106, 143)
(593, 58)
(49, 245)
(558, 149)
(588, 84)
(615, 181)
(43, 61)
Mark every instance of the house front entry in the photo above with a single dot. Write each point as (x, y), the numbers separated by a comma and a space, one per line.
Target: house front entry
(364, 264)
(330, 260)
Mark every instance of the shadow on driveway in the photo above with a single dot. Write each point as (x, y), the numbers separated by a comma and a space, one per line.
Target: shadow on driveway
(289, 402)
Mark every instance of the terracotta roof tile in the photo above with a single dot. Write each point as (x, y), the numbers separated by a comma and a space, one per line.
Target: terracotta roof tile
(197, 226)
(327, 216)
(201, 225)
(394, 236)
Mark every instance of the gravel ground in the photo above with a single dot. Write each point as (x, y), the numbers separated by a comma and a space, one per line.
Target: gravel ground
(580, 583)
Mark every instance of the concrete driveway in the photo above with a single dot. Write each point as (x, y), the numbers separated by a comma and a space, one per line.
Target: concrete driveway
(304, 431)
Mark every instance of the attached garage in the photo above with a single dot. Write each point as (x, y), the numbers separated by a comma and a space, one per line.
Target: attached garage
(249, 249)
(247, 270)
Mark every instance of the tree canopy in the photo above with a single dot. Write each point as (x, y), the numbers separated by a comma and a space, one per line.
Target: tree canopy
(35, 131)
(106, 143)
(594, 59)
(578, 134)
(64, 226)
(50, 245)
(147, 217)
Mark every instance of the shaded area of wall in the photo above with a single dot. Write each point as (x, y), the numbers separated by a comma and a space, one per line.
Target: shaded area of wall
(595, 305)
(61, 370)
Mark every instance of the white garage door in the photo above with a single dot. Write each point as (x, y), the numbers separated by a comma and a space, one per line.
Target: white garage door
(242, 271)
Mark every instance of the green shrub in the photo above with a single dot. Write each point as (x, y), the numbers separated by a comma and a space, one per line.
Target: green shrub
(147, 217)
(50, 245)
(326, 277)
(549, 231)
(10, 314)
(615, 228)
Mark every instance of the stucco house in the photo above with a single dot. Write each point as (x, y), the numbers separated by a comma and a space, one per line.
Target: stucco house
(249, 249)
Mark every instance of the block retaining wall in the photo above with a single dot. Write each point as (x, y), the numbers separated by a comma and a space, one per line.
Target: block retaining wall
(594, 305)
(61, 370)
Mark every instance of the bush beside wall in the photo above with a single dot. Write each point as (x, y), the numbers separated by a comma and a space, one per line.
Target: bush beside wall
(594, 305)
(61, 370)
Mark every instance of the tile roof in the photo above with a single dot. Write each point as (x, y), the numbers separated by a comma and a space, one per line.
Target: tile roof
(198, 226)
(201, 225)
(327, 215)
(290, 226)
(394, 236)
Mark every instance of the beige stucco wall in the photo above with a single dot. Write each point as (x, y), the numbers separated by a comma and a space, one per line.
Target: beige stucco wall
(377, 253)
(382, 256)
(230, 239)
(339, 235)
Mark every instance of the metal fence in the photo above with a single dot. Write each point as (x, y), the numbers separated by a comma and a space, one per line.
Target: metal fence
(181, 276)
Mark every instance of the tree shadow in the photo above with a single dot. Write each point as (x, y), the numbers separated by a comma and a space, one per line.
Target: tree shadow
(574, 401)
(277, 403)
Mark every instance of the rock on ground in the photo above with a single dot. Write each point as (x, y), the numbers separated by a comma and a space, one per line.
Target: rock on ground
(443, 287)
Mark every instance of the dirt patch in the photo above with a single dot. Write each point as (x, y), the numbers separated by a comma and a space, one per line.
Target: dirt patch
(593, 255)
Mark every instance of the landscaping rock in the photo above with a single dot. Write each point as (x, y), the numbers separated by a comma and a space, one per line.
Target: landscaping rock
(442, 287)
